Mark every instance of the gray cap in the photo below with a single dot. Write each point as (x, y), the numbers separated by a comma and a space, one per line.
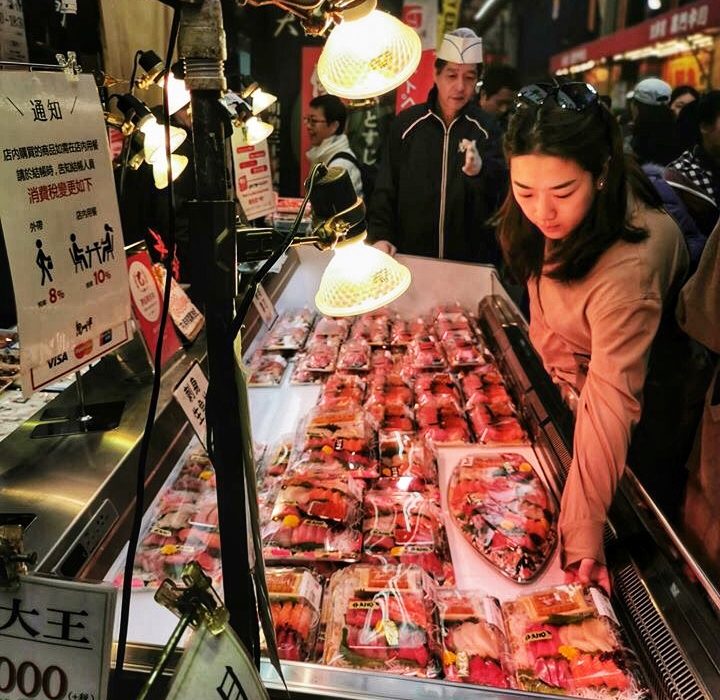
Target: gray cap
(651, 91)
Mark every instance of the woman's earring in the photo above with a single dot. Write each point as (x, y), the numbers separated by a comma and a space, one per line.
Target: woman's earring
(601, 183)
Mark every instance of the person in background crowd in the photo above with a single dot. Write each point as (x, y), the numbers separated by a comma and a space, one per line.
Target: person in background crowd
(653, 132)
(583, 228)
(700, 165)
(325, 124)
(442, 170)
(680, 96)
(699, 315)
(498, 88)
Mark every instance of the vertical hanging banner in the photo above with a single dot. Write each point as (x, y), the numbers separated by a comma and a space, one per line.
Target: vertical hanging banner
(422, 16)
(13, 42)
(56, 637)
(253, 176)
(448, 19)
(61, 224)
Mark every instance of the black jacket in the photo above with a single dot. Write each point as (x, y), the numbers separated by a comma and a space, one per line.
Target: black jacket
(422, 202)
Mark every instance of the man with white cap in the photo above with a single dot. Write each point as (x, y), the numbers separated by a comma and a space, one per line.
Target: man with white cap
(442, 174)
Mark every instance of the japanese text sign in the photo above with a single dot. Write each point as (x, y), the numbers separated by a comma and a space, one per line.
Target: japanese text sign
(13, 44)
(191, 393)
(253, 177)
(56, 638)
(265, 307)
(61, 224)
(216, 667)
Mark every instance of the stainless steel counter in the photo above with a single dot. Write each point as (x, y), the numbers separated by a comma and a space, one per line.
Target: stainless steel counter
(76, 489)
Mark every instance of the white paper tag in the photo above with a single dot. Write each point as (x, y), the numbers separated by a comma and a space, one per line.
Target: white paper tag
(264, 306)
(602, 603)
(191, 393)
(492, 613)
(66, 7)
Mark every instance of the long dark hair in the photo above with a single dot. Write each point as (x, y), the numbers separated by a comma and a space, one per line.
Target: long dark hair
(592, 139)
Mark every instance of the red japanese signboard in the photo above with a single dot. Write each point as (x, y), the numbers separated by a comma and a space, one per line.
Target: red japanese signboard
(701, 16)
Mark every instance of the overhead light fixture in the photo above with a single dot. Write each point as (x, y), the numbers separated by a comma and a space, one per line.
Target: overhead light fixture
(358, 278)
(154, 67)
(368, 54)
(178, 163)
(255, 130)
(155, 139)
(257, 97)
(654, 4)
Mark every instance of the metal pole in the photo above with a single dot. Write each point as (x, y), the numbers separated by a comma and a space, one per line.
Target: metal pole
(201, 45)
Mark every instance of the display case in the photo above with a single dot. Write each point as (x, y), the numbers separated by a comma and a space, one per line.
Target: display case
(78, 491)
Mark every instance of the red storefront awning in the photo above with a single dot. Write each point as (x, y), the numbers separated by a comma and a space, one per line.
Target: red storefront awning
(694, 18)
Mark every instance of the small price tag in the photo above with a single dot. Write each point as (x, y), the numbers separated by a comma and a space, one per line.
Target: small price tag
(602, 603)
(66, 7)
(264, 306)
(191, 394)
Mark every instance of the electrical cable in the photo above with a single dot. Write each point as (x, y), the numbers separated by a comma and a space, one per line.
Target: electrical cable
(147, 434)
(259, 275)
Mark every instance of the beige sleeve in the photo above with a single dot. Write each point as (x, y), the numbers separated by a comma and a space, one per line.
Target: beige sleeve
(608, 409)
(698, 310)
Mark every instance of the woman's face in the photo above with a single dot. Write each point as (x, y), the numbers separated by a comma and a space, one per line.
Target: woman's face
(554, 193)
(679, 102)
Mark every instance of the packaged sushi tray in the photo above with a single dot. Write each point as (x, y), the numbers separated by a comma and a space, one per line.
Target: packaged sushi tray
(382, 618)
(266, 369)
(295, 602)
(354, 356)
(337, 442)
(565, 640)
(490, 408)
(290, 331)
(405, 456)
(373, 327)
(183, 525)
(315, 517)
(343, 391)
(503, 510)
(406, 528)
(474, 649)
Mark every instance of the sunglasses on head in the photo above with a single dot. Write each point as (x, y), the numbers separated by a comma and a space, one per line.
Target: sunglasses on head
(576, 97)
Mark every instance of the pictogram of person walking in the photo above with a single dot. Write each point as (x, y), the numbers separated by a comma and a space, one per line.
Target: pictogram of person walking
(44, 262)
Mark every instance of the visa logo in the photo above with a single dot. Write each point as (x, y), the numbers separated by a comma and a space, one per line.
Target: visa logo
(57, 360)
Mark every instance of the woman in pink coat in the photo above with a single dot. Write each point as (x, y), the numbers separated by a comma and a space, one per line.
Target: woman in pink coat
(603, 264)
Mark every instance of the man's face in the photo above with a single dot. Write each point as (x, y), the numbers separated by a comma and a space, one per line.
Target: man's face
(317, 126)
(711, 138)
(499, 103)
(456, 87)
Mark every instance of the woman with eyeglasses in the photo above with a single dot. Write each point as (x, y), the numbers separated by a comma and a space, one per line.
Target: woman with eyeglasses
(603, 263)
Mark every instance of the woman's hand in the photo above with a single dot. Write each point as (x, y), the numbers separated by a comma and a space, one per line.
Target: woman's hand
(385, 247)
(588, 571)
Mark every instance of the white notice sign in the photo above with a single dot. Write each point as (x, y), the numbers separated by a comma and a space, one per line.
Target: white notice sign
(253, 177)
(61, 224)
(216, 667)
(191, 394)
(13, 44)
(265, 307)
(55, 637)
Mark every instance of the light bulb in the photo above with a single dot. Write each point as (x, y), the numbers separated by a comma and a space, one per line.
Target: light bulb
(178, 95)
(261, 100)
(359, 279)
(654, 4)
(256, 130)
(155, 139)
(178, 163)
(369, 56)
